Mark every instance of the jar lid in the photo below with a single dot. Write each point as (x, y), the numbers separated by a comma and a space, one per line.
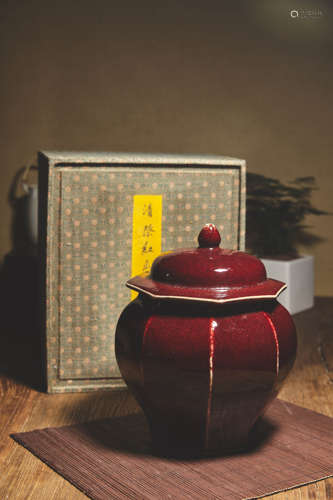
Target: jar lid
(207, 273)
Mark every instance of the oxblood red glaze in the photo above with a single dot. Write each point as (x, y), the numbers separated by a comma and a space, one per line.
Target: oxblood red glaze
(204, 372)
(207, 272)
(209, 237)
(220, 294)
(208, 267)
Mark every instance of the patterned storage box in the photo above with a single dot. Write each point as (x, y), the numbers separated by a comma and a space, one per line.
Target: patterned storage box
(105, 217)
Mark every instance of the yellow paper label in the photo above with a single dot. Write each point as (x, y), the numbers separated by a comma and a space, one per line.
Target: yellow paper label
(147, 233)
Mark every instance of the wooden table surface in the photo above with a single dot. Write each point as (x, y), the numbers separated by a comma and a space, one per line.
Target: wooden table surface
(23, 408)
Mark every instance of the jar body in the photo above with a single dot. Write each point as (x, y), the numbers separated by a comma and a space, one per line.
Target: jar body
(202, 372)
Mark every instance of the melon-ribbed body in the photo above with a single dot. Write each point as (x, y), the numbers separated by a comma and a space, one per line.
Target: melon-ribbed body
(203, 373)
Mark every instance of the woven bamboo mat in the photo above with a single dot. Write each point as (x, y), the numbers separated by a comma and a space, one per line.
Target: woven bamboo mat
(112, 459)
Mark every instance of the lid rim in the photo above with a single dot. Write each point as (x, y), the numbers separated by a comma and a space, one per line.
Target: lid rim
(259, 291)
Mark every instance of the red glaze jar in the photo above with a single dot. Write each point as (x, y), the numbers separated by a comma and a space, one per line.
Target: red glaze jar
(205, 347)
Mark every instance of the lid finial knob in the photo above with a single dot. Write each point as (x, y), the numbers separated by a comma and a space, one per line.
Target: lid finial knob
(209, 237)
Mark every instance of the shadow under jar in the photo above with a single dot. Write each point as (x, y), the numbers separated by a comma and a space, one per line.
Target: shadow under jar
(205, 347)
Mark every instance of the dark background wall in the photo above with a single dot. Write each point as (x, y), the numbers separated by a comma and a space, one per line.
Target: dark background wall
(241, 78)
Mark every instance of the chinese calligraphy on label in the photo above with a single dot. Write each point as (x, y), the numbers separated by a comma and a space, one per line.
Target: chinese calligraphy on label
(147, 233)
